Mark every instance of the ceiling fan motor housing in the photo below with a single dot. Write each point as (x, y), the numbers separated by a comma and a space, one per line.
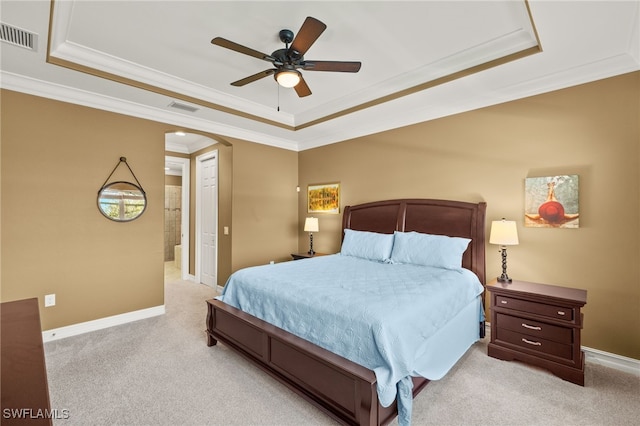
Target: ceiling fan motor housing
(287, 57)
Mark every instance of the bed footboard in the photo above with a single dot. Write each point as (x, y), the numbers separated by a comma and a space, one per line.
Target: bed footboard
(344, 390)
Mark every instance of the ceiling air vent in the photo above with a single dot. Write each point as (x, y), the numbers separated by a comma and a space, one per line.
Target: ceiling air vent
(18, 37)
(183, 107)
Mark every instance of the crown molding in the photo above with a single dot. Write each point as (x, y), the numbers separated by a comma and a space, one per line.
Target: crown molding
(72, 95)
(419, 107)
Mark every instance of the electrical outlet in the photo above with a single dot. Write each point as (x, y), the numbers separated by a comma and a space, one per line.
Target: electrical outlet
(49, 300)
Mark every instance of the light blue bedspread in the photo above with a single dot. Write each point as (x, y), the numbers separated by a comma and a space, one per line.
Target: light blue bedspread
(378, 315)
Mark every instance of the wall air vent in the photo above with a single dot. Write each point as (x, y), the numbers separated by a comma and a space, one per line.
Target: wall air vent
(18, 37)
(183, 107)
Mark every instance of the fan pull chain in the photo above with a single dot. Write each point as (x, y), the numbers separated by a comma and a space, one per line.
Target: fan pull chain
(278, 97)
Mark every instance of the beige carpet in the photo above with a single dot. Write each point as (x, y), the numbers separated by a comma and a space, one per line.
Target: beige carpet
(159, 371)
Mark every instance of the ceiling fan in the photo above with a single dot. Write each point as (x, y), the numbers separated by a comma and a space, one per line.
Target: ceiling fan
(289, 60)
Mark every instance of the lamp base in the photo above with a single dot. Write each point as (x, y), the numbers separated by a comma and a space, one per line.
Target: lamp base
(504, 279)
(311, 252)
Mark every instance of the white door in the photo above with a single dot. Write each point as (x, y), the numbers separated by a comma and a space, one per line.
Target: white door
(208, 217)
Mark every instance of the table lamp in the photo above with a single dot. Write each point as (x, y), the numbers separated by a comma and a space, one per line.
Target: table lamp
(504, 233)
(311, 226)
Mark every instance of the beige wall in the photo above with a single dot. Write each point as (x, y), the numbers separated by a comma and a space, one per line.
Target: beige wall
(264, 199)
(590, 130)
(173, 180)
(55, 158)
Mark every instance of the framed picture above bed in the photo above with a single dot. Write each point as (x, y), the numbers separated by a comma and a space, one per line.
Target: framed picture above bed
(323, 198)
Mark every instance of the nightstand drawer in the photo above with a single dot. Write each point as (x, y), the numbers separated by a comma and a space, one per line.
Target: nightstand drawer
(535, 343)
(551, 311)
(535, 328)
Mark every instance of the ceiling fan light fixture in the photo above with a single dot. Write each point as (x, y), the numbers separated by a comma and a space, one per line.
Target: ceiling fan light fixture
(288, 78)
(286, 62)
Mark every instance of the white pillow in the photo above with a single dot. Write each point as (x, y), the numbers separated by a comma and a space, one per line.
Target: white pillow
(429, 250)
(367, 245)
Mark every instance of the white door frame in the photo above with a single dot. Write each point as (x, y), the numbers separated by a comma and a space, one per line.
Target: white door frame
(184, 231)
(199, 160)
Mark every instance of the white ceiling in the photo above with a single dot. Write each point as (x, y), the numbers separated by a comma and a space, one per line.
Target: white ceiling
(138, 57)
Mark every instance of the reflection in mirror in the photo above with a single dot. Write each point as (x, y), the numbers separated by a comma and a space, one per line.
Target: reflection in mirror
(122, 201)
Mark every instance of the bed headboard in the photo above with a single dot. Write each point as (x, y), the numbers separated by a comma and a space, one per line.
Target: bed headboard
(441, 217)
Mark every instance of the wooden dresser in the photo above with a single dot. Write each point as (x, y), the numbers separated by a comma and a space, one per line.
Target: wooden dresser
(25, 392)
(538, 324)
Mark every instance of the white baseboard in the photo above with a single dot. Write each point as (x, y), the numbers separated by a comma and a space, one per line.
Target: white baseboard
(619, 362)
(99, 324)
(596, 356)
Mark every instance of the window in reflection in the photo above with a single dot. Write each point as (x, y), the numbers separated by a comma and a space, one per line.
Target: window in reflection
(122, 201)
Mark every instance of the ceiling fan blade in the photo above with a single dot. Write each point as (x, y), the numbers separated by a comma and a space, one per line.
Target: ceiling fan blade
(331, 66)
(301, 88)
(223, 42)
(254, 77)
(307, 35)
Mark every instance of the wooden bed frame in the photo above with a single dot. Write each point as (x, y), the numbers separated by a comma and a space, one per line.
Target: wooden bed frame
(343, 389)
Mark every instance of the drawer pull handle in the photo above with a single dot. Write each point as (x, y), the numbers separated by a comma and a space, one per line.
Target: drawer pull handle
(531, 327)
(531, 342)
(504, 302)
(561, 313)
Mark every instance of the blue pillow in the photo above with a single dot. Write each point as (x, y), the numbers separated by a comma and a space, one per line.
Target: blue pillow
(367, 245)
(440, 251)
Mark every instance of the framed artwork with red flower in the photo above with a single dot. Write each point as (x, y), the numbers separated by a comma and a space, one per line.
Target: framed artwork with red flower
(552, 202)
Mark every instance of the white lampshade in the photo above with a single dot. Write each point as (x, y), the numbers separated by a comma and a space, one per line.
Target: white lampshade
(311, 224)
(288, 79)
(504, 232)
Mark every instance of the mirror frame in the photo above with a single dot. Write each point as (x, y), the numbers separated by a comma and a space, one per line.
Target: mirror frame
(122, 218)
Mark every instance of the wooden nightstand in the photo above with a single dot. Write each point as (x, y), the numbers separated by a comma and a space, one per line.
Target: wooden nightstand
(538, 324)
(298, 256)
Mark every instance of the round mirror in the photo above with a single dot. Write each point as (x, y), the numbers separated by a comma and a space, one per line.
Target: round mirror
(121, 201)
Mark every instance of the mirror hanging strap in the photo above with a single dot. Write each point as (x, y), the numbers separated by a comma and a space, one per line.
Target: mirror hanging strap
(122, 160)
